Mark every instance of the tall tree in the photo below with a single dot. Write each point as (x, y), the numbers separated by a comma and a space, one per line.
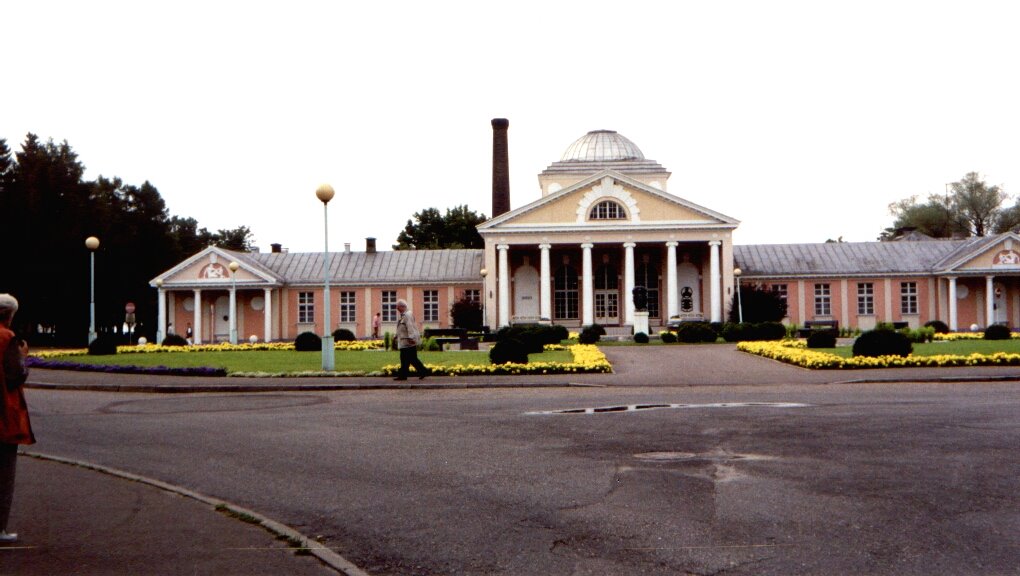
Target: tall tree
(970, 207)
(431, 231)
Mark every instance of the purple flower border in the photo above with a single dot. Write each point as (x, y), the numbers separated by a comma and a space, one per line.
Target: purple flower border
(34, 362)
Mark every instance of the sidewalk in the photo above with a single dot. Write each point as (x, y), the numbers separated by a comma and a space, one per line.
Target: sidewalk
(75, 521)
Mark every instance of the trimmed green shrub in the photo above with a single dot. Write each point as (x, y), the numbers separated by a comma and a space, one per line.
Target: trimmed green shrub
(535, 336)
(998, 332)
(343, 335)
(598, 329)
(174, 340)
(104, 345)
(919, 336)
(694, 332)
(667, 337)
(882, 343)
(771, 331)
(387, 341)
(307, 342)
(509, 350)
(430, 344)
(641, 338)
(939, 326)
(590, 334)
(822, 339)
(733, 332)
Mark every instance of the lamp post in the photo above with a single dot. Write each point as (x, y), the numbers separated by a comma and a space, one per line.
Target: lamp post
(740, 305)
(160, 311)
(485, 292)
(325, 193)
(92, 243)
(233, 301)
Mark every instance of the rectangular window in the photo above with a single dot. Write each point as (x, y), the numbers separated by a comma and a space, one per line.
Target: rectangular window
(430, 313)
(782, 291)
(389, 305)
(473, 296)
(823, 300)
(348, 311)
(306, 307)
(865, 298)
(908, 297)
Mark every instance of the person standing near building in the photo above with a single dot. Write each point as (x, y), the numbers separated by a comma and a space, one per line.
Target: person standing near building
(15, 427)
(407, 341)
(376, 321)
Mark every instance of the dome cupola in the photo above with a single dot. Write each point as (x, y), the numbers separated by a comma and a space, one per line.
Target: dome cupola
(602, 146)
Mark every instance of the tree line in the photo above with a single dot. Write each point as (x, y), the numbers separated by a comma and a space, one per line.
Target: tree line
(49, 209)
(969, 207)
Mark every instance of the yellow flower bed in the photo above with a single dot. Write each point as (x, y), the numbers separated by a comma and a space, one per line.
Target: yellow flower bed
(219, 347)
(795, 352)
(587, 359)
(951, 336)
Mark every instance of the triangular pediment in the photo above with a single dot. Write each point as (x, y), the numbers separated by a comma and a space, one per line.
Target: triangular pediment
(210, 268)
(988, 255)
(643, 206)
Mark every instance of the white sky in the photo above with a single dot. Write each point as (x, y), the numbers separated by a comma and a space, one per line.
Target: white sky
(803, 120)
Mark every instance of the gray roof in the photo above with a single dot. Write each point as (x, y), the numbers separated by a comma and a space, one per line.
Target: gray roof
(362, 268)
(848, 258)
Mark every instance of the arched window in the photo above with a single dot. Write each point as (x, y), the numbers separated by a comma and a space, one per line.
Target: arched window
(647, 274)
(607, 210)
(565, 295)
(606, 278)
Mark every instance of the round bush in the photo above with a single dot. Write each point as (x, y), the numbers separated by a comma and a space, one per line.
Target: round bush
(589, 335)
(104, 345)
(307, 342)
(509, 350)
(598, 329)
(641, 338)
(771, 331)
(822, 339)
(939, 326)
(694, 332)
(668, 337)
(174, 340)
(998, 332)
(343, 335)
(733, 332)
(882, 343)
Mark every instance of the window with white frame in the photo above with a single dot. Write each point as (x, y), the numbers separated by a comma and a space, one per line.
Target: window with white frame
(430, 308)
(823, 300)
(472, 295)
(348, 310)
(565, 296)
(389, 305)
(607, 210)
(865, 298)
(782, 291)
(306, 307)
(908, 297)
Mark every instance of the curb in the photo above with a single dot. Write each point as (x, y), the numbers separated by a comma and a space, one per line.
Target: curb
(219, 388)
(302, 542)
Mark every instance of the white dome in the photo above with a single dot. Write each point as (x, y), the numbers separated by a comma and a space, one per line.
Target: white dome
(602, 146)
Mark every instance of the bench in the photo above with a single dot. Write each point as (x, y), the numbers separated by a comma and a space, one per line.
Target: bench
(811, 326)
(458, 336)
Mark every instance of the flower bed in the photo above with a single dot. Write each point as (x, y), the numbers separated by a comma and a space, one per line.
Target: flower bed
(219, 347)
(952, 336)
(588, 359)
(794, 352)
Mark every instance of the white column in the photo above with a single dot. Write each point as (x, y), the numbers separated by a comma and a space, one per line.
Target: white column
(161, 318)
(716, 282)
(267, 313)
(504, 284)
(628, 283)
(197, 336)
(233, 312)
(588, 286)
(672, 305)
(952, 304)
(545, 296)
(989, 301)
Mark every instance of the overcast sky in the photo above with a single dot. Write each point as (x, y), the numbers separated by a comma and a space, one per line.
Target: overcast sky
(803, 120)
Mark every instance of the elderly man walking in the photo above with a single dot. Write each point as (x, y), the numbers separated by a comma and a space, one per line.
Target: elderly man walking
(407, 341)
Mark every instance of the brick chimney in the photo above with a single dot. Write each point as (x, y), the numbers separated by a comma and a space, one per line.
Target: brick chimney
(370, 245)
(276, 248)
(500, 167)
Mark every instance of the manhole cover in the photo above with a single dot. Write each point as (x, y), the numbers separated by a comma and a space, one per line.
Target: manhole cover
(641, 407)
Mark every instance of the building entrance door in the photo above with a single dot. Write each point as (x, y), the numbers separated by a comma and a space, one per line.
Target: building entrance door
(1001, 297)
(607, 294)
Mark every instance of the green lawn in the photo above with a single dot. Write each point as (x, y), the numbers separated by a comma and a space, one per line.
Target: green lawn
(958, 348)
(291, 361)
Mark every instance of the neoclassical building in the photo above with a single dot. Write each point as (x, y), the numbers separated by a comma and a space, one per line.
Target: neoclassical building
(603, 224)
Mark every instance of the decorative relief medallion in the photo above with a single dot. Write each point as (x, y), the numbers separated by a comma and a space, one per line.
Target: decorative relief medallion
(1007, 259)
(213, 271)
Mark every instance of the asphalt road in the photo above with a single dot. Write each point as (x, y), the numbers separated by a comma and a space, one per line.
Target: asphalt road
(904, 478)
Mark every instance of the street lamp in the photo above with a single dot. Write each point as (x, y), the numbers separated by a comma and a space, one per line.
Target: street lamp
(160, 311)
(740, 305)
(325, 193)
(484, 272)
(92, 243)
(233, 301)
